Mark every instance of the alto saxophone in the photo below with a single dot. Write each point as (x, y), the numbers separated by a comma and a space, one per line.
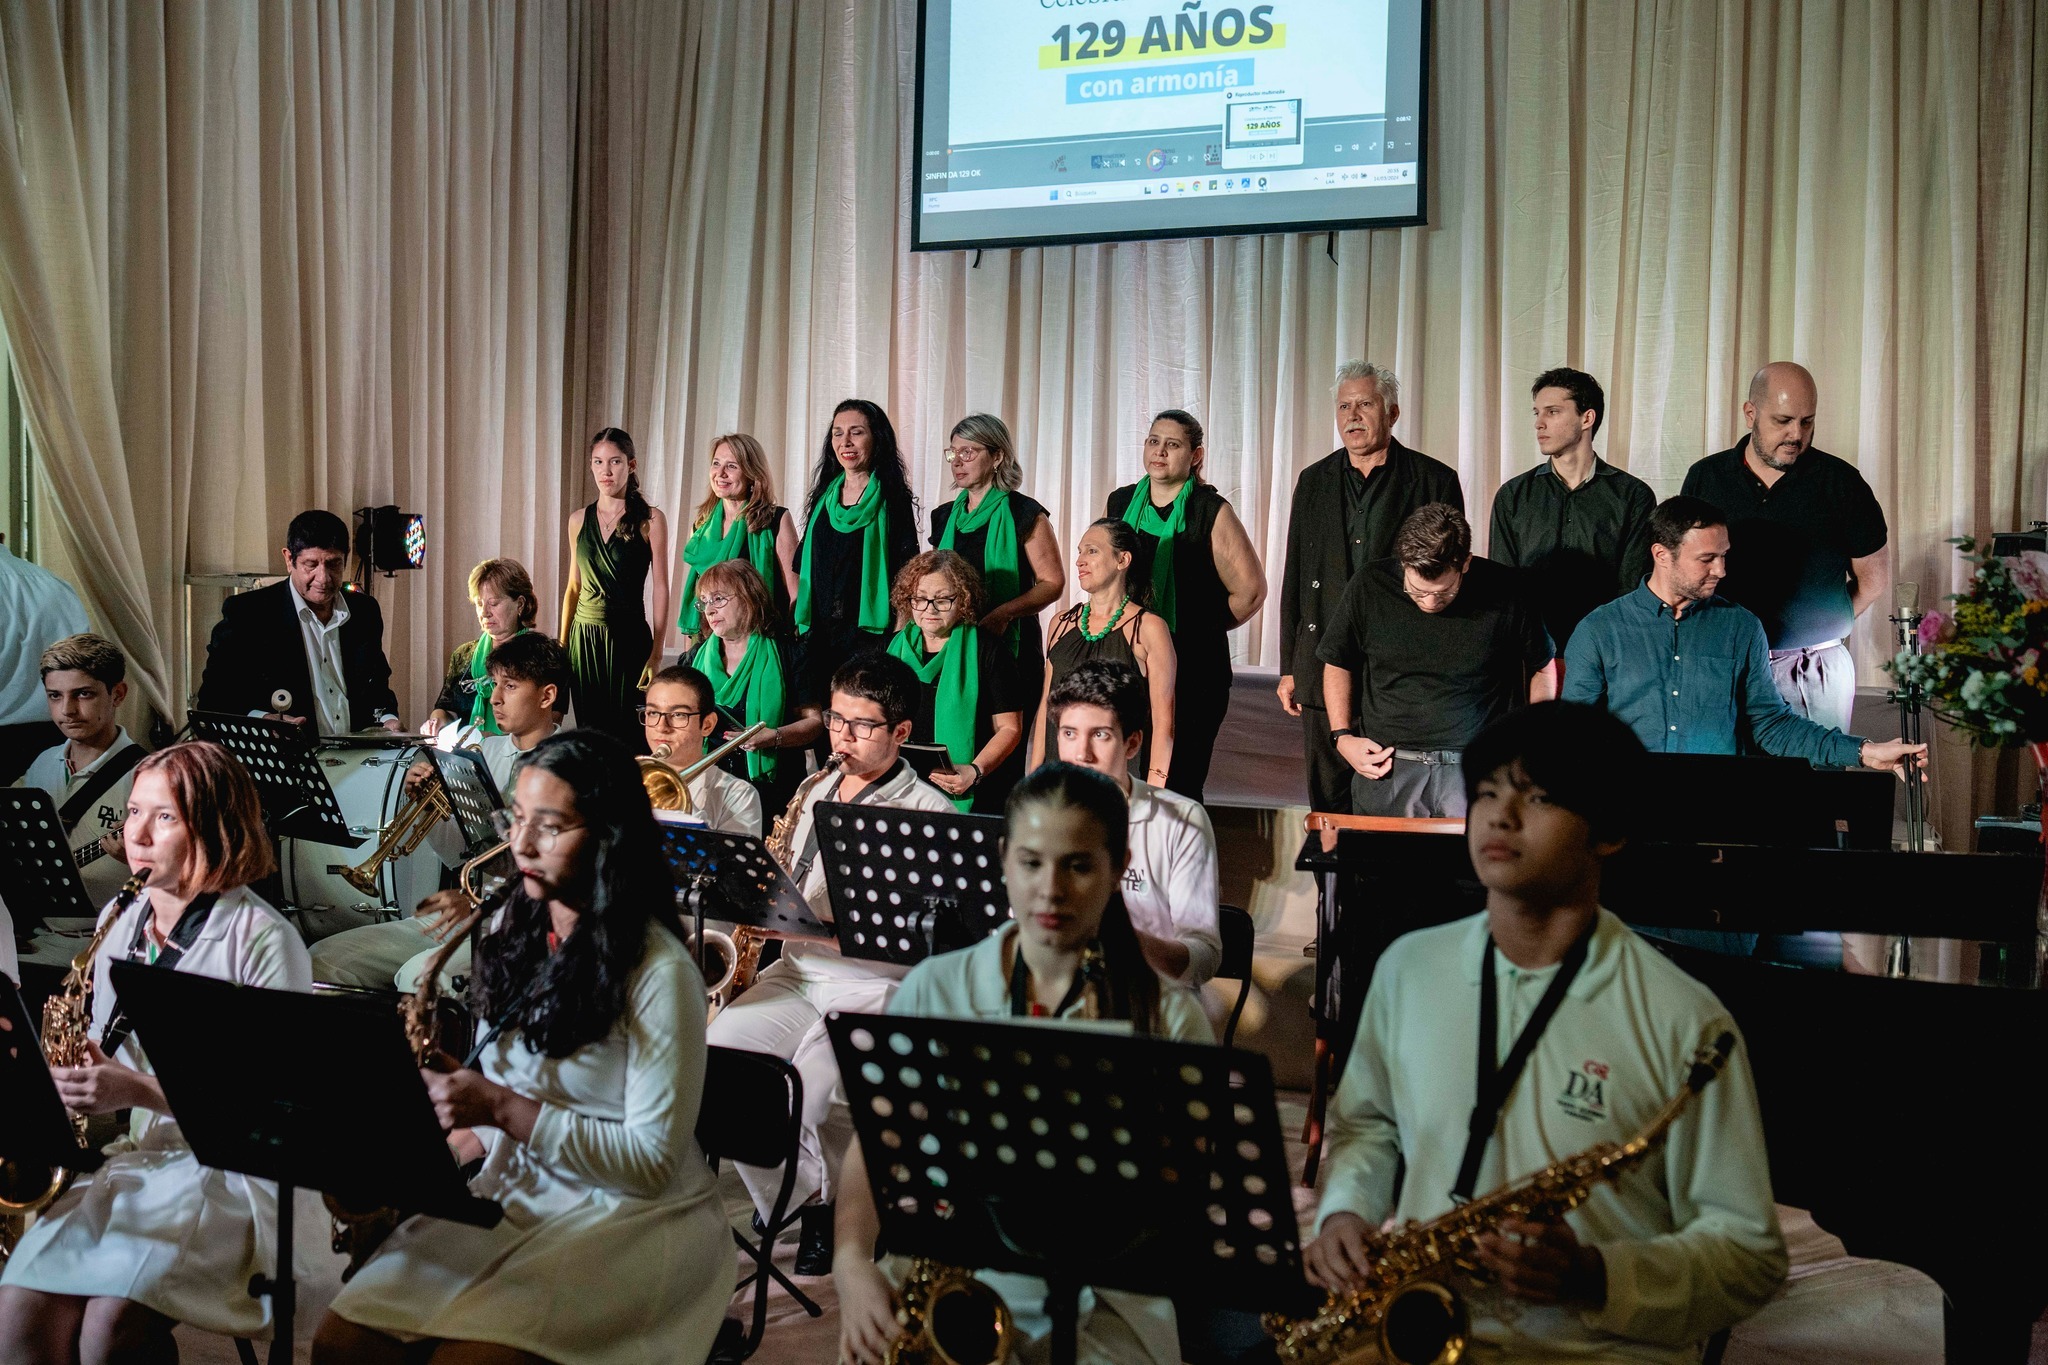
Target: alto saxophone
(948, 1317)
(1408, 1307)
(67, 1037)
(785, 823)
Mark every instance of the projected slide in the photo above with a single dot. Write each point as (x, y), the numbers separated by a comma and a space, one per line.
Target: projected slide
(1079, 120)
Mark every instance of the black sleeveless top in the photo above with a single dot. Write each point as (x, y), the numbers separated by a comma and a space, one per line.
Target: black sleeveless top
(1201, 641)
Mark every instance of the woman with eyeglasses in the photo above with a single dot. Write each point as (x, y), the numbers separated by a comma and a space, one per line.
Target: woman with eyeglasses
(750, 673)
(582, 1103)
(502, 593)
(860, 529)
(1005, 535)
(1205, 579)
(613, 543)
(967, 698)
(1112, 623)
(1070, 953)
(740, 519)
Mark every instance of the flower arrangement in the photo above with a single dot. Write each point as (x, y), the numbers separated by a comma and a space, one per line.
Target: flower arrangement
(1983, 664)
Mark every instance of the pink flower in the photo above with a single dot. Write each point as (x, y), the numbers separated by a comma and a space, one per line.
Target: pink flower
(2029, 570)
(1936, 628)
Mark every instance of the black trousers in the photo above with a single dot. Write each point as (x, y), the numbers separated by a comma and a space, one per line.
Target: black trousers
(1329, 776)
(1199, 706)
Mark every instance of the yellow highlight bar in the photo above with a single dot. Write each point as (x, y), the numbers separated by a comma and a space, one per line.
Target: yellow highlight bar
(1049, 55)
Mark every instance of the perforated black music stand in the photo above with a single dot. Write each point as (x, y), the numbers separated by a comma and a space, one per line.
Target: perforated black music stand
(318, 1082)
(472, 796)
(36, 866)
(34, 1128)
(1081, 1157)
(905, 884)
(298, 800)
(732, 877)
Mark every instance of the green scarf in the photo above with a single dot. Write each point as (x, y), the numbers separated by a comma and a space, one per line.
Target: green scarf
(999, 551)
(956, 669)
(480, 674)
(1142, 515)
(754, 691)
(869, 516)
(707, 546)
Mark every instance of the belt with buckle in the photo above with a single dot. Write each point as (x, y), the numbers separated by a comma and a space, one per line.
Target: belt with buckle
(1429, 758)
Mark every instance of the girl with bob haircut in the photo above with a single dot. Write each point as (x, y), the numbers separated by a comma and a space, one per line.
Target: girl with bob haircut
(502, 592)
(153, 1239)
(582, 1104)
(1069, 953)
(740, 519)
(752, 679)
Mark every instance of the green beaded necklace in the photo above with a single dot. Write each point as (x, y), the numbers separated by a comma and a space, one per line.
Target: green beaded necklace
(1114, 617)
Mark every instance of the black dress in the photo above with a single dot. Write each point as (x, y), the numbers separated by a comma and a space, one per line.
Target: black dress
(997, 691)
(972, 546)
(1070, 649)
(1201, 637)
(609, 640)
(835, 634)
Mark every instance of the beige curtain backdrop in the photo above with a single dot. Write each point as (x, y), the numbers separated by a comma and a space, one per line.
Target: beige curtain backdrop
(258, 254)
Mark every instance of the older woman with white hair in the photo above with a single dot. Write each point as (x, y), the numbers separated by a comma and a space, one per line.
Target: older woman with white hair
(1347, 508)
(1006, 536)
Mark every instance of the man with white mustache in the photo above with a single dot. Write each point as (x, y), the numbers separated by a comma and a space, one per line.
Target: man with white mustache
(1809, 541)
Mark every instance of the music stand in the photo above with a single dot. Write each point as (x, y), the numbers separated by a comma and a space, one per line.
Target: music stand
(732, 877)
(318, 1083)
(34, 1127)
(298, 801)
(906, 884)
(472, 796)
(1081, 1157)
(36, 865)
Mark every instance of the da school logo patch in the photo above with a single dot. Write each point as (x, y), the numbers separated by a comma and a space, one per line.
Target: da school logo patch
(1585, 1092)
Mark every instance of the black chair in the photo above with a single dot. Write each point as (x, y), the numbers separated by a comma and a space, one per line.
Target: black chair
(1234, 926)
(753, 1115)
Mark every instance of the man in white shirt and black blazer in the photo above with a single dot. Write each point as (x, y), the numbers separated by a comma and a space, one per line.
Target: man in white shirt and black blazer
(309, 637)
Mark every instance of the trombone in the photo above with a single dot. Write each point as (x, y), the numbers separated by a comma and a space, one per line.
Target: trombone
(668, 787)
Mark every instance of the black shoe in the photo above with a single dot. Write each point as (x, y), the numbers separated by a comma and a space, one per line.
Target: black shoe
(760, 1226)
(730, 1346)
(814, 1252)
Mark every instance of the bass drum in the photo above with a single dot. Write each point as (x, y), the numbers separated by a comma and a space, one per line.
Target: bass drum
(369, 784)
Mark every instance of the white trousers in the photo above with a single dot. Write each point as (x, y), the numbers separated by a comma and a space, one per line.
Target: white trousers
(783, 1014)
(379, 956)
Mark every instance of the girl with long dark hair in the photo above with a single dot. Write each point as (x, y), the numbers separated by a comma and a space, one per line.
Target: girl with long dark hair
(583, 1104)
(1070, 953)
(860, 530)
(1205, 579)
(612, 544)
(1112, 622)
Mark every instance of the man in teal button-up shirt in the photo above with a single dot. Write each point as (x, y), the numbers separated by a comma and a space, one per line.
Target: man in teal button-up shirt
(1683, 667)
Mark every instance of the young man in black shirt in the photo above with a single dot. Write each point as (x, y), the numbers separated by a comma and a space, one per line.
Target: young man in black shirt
(1348, 506)
(1809, 541)
(1428, 649)
(1577, 527)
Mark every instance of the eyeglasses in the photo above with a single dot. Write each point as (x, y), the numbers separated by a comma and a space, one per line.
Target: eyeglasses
(933, 603)
(1439, 595)
(718, 603)
(510, 827)
(667, 720)
(962, 454)
(861, 729)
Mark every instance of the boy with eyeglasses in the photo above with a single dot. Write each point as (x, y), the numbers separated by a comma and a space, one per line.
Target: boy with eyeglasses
(681, 715)
(529, 689)
(868, 722)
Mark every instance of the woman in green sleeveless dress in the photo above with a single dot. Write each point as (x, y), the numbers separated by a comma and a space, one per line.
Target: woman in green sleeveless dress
(612, 543)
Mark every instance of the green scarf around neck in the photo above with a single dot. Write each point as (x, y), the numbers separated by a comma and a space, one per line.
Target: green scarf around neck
(708, 545)
(755, 691)
(480, 674)
(956, 669)
(1142, 515)
(869, 516)
(999, 551)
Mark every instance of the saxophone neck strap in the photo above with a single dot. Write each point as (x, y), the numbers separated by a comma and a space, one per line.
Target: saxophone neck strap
(182, 936)
(1494, 1083)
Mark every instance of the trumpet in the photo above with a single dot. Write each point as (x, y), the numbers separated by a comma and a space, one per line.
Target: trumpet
(402, 835)
(668, 788)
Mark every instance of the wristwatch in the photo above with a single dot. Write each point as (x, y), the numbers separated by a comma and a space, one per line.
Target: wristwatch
(1336, 735)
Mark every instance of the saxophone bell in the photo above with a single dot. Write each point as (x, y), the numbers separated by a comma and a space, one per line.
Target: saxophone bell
(949, 1317)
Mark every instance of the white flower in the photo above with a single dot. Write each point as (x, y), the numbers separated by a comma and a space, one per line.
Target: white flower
(2029, 571)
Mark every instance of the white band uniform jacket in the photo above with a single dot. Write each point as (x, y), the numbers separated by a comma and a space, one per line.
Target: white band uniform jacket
(1690, 1237)
(152, 1224)
(1116, 1328)
(1170, 886)
(614, 1249)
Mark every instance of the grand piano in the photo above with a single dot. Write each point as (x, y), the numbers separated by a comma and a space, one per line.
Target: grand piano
(1893, 1005)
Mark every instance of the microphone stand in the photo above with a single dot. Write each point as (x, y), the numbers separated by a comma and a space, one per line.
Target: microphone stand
(1909, 698)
